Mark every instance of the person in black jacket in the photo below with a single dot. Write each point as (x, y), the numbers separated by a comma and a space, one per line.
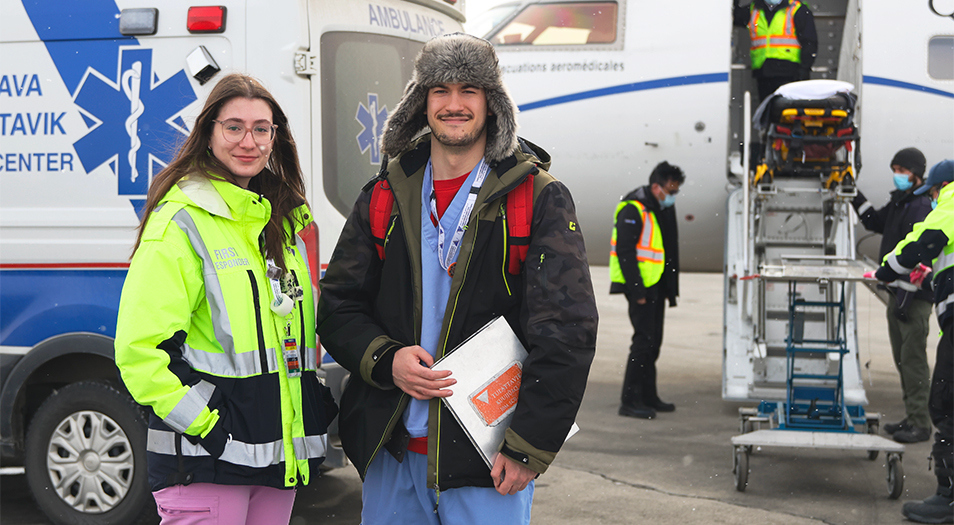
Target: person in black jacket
(909, 313)
(775, 59)
(644, 265)
(442, 274)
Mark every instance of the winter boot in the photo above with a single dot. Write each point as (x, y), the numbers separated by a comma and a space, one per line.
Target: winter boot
(936, 509)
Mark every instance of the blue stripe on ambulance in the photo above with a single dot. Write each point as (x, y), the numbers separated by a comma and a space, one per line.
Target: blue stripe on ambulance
(38, 304)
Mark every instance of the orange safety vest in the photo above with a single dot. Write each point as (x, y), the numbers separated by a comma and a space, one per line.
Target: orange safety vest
(776, 40)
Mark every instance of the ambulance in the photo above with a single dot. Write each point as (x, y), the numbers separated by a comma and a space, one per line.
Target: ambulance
(95, 98)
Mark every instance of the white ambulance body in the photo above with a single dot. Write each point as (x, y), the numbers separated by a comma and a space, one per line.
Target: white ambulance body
(95, 97)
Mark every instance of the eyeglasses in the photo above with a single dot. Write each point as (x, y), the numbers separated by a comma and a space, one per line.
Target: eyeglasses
(234, 131)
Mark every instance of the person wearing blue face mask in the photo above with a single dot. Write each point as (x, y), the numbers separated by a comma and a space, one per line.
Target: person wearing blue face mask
(926, 258)
(909, 312)
(644, 265)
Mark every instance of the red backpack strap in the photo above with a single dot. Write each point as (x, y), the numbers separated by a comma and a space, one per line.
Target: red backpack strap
(520, 214)
(382, 200)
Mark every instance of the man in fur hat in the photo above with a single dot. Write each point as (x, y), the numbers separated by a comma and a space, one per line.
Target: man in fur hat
(393, 304)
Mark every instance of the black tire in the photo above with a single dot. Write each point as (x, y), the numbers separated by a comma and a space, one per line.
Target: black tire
(895, 476)
(872, 428)
(740, 468)
(86, 458)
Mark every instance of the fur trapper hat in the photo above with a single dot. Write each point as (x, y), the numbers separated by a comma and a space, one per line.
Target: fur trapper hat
(451, 59)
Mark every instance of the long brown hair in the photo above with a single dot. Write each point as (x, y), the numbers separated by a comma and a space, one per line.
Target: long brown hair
(280, 182)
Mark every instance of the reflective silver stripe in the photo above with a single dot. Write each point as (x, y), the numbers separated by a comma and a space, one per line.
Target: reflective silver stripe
(303, 250)
(904, 285)
(649, 254)
(213, 289)
(310, 357)
(190, 406)
(759, 42)
(864, 208)
(246, 364)
(164, 442)
(943, 261)
(893, 263)
(255, 455)
(309, 361)
(310, 447)
(647, 235)
(944, 305)
(245, 454)
(784, 41)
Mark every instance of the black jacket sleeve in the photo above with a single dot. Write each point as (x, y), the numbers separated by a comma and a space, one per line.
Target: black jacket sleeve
(740, 15)
(923, 251)
(874, 220)
(807, 38)
(559, 319)
(629, 226)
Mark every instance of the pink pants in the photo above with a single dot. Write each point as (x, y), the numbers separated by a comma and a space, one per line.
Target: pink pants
(211, 504)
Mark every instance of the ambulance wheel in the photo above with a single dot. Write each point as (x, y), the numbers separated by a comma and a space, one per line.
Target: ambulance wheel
(872, 427)
(895, 476)
(740, 467)
(86, 457)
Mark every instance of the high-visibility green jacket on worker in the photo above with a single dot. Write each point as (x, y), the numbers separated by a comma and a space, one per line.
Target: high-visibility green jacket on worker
(644, 251)
(649, 247)
(197, 343)
(931, 242)
(777, 39)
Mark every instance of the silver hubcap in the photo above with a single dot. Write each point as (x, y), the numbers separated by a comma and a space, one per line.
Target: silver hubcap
(90, 462)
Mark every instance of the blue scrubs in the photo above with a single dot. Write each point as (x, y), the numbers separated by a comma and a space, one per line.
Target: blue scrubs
(397, 492)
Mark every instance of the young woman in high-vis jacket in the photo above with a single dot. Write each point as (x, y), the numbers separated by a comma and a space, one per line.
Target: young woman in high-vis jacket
(216, 330)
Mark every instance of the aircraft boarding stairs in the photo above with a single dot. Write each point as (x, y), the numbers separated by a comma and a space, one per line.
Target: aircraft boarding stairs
(790, 340)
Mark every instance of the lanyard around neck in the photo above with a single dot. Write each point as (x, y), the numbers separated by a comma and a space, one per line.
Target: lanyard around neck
(450, 257)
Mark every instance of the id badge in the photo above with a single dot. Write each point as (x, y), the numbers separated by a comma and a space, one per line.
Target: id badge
(292, 358)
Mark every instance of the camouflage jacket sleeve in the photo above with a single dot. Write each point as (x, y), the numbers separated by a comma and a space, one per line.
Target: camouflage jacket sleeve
(560, 319)
(344, 323)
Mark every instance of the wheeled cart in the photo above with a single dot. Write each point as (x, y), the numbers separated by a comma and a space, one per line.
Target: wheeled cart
(790, 340)
(814, 413)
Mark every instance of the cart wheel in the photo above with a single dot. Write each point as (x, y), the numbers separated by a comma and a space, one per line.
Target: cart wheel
(740, 467)
(746, 425)
(895, 476)
(872, 428)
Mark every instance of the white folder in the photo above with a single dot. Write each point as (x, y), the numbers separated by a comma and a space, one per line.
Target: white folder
(487, 367)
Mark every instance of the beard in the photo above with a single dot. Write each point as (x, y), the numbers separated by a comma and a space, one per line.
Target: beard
(463, 141)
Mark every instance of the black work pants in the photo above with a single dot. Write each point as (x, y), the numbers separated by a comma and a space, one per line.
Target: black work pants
(639, 381)
(768, 85)
(941, 407)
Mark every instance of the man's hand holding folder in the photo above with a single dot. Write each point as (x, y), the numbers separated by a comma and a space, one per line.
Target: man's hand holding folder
(509, 476)
(412, 374)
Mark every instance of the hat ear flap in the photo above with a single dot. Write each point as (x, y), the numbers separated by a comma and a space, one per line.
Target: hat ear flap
(502, 132)
(407, 120)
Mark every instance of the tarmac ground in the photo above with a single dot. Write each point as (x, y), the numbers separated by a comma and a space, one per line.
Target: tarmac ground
(677, 468)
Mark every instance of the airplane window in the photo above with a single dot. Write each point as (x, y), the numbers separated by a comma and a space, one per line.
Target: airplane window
(485, 22)
(941, 57)
(560, 24)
